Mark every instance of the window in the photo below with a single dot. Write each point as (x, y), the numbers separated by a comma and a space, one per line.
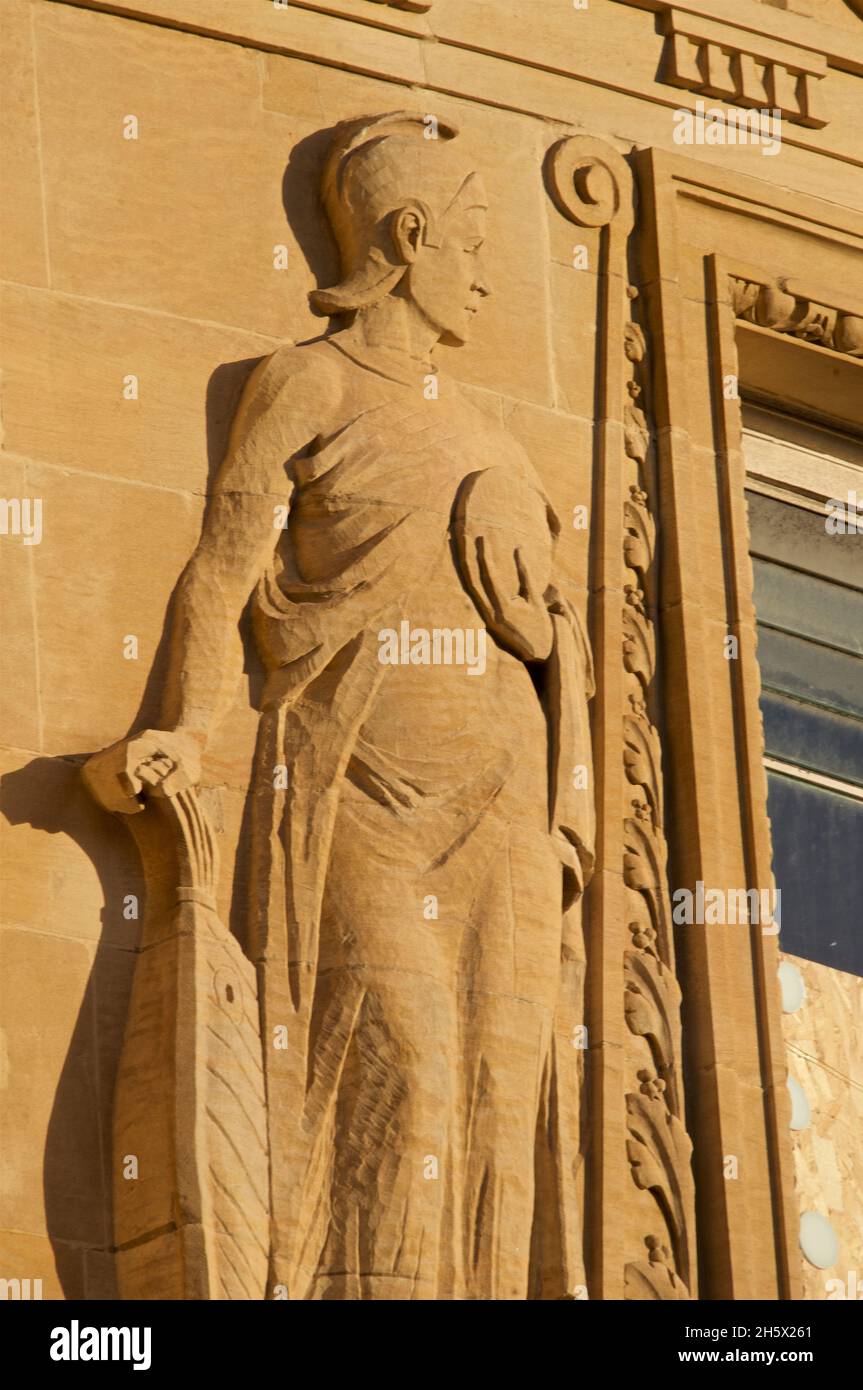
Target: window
(809, 605)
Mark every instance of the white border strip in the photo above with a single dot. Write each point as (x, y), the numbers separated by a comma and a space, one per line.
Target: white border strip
(817, 779)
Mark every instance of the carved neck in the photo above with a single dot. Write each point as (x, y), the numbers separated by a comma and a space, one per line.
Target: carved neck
(395, 326)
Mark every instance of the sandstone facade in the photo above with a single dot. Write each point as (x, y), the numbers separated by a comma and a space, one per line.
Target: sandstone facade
(162, 234)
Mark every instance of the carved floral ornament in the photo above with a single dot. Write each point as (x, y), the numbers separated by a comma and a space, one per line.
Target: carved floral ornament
(781, 306)
(591, 184)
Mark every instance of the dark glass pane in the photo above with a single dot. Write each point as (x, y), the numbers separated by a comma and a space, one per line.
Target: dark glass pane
(809, 607)
(818, 867)
(795, 666)
(795, 536)
(815, 738)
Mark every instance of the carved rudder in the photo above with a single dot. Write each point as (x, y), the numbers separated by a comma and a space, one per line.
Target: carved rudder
(190, 1150)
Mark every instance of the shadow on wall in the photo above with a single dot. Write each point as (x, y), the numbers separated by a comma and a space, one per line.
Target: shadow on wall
(49, 795)
(306, 216)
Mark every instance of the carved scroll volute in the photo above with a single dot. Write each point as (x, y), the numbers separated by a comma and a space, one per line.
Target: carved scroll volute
(591, 183)
(631, 953)
(190, 1149)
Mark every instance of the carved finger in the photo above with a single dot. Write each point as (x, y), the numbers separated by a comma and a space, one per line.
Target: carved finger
(161, 764)
(148, 775)
(177, 780)
(525, 587)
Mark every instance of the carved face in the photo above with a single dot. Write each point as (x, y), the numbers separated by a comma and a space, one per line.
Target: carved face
(447, 282)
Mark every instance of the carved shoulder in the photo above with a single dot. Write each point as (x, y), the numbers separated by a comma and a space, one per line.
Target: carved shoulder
(290, 397)
(285, 400)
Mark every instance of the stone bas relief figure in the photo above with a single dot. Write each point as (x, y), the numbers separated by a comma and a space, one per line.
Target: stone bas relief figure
(412, 871)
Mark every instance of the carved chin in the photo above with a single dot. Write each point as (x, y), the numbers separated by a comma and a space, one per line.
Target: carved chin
(457, 334)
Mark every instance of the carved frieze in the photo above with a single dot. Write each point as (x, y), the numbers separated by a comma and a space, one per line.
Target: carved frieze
(783, 306)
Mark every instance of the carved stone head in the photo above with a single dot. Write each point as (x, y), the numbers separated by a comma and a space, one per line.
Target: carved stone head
(408, 211)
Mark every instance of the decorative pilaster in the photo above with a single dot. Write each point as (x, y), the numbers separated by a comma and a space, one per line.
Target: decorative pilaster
(636, 1110)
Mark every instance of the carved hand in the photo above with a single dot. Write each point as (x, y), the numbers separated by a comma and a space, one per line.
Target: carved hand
(157, 762)
(504, 544)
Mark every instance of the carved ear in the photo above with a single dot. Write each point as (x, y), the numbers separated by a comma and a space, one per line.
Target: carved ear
(410, 228)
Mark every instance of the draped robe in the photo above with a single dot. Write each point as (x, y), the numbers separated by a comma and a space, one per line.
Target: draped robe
(412, 864)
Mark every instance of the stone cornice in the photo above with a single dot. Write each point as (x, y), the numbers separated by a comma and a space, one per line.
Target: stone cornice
(533, 68)
(738, 66)
(839, 47)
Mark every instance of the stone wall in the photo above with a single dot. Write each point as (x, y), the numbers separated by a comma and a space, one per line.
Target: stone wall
(142, 278)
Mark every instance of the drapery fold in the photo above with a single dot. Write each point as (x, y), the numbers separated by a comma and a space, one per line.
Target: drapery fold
(376, 530)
